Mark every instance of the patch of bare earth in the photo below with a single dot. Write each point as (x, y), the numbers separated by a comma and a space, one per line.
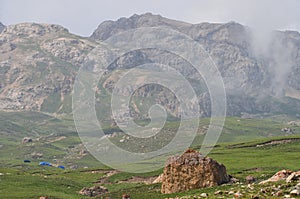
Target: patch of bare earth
(136, 179)
(104, 179)
(277, 142)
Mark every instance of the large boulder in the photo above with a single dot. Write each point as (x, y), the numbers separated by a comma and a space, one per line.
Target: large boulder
(192, 171)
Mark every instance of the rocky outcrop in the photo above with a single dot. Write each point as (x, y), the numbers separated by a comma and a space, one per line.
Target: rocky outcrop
(93, 191)
(253, 83)
(125, 196)
(38, 66)
(68, 49)
(26, 140)
(33, 30)
(109, 28)
(192, 171)
(158, 179)
(286, 175)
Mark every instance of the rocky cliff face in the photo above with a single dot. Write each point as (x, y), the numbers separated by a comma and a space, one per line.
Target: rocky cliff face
(192, 171)
(38, 64)
(109, 28)
(254, 81)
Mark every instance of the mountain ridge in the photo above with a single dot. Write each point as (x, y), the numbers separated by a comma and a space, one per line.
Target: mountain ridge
(39, 62)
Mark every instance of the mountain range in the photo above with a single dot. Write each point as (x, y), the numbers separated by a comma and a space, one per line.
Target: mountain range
(39, 63)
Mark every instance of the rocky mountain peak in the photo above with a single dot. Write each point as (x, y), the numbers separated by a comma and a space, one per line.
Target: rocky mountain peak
(53, 55)
(231, 32)
(109, 28)
(30, 30)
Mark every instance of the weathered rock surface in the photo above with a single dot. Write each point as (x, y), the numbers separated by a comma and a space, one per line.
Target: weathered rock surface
(26, 140)
(248, 78)
(280, 189)
(286, 175)
(158, 179)
(250, 179)
(293, 177)
(44, 197)
(93, 191)
(192, 171)
(39, 63)
(125, 196)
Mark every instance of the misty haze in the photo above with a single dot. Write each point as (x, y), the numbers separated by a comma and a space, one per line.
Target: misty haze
(198, 104)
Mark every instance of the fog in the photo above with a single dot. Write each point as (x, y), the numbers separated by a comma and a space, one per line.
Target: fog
(267, 43)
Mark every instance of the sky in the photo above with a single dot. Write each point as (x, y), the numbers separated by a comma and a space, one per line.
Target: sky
(83, 17)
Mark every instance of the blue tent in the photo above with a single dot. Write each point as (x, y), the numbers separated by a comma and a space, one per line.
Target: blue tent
(27, 161)
(61, 167)
(45, 164)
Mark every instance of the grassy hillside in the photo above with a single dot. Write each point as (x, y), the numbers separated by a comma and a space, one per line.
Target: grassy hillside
(255, 147)
(241, 159)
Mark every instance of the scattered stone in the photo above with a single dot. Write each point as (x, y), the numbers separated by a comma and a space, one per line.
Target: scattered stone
(26, 140)
(203, 195)
(255, 197)
(73, 167)
(230, 192)
(280, 175)
(294, 123)
(249, 186)
(295, 192)
(293, 176)
(219, 192)
(93, 191)
(192, 171)
(232, 180)
(114, 134)
(44, 197)
(279, 193)
(36, 155)
(237, 195)
(287, 130)
(158, 179)
(250, 179)
(263, 190)
(125, 196)
(290, 177)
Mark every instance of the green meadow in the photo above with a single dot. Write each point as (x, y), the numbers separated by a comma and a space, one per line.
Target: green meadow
(254, 147)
